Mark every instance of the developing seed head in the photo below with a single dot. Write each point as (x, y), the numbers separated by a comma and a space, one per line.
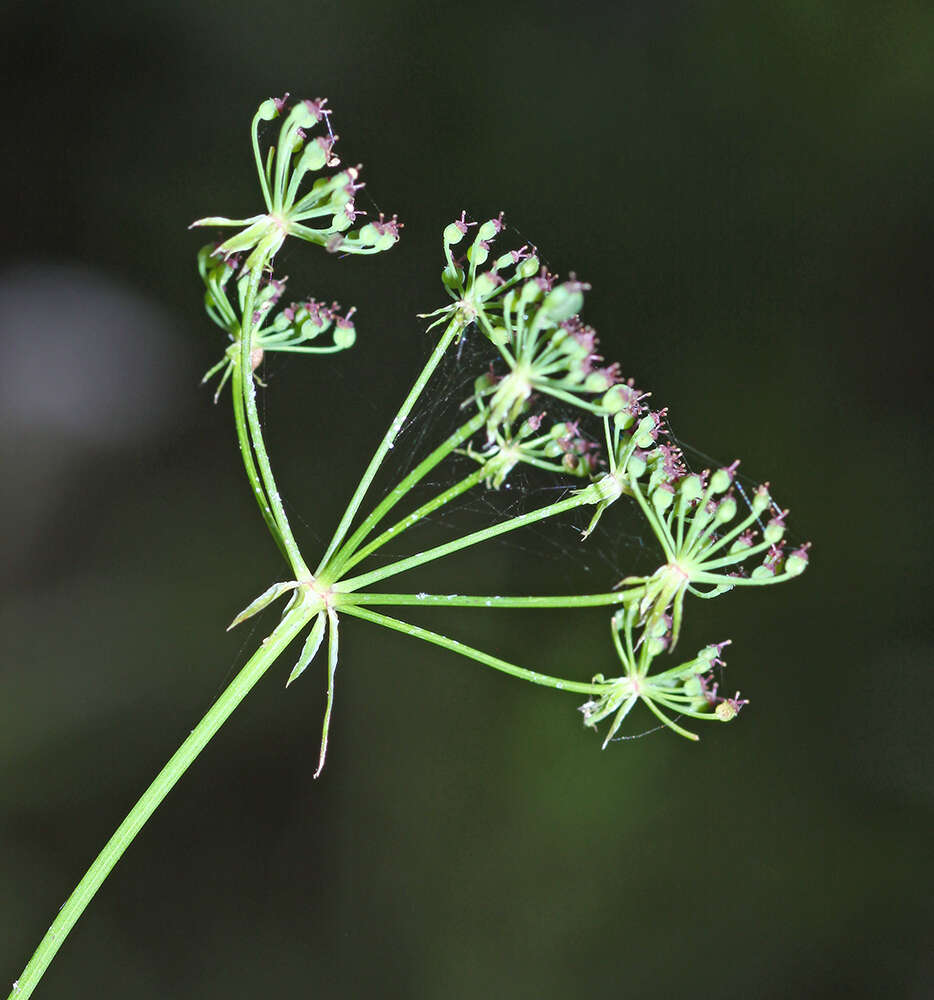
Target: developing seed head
(561, 448)
(322, 213)
(545, 346)
(687, 690)
(476, 285)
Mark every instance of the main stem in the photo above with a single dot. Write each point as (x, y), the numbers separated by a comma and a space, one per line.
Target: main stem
(256, 434)
(246, 451)
(216, 716)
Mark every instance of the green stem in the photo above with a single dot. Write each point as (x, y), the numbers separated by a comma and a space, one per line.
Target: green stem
(471, 601)
(256, 434)
(589, 495)
(533, 676)
(216, 715)
(451, 331)
(254, 133)
(247, 452)
(394, 496)
(417, 515)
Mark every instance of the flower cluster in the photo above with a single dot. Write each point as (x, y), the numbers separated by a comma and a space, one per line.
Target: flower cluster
(477, 290)
(710, 543)
(562, 449)
(689, 689)
(298, 328)
(709, 547)
(547, 349)
(534, 322)
(328, 205)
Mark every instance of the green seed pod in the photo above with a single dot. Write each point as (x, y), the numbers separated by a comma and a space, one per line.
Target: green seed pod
(488, 230)
(615, 402)
(341, 191)
(636, 466)
(761, 501)
(345, 335)
(720, 481)
(452, 234)
(725, 711)
(478, 254)
(691, 488)
(268, 110)
(773, 532)
(563, 302)
(302, 116)
(341, 222)
(485, 285)
(705, 658)
(311, 328)
(662, 500)
(644, 432)
(529, 267)
(314, 157)
(692, 687)
(386, 241)
(597, 382)
(369, 234)
(797, 562)
(726, 510)
(530, 426)
(741, 543)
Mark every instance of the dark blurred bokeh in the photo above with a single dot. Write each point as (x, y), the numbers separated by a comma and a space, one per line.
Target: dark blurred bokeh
(749, 189)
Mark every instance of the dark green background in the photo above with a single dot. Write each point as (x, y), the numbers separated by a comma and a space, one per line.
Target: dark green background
(749, 189)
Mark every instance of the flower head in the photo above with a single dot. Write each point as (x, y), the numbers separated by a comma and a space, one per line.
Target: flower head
(689, 689)
(323, 214)
(561, 448)
(298, 328)
(474, 283)
(710, 545)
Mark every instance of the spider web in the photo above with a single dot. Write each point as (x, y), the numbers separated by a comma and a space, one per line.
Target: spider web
(622, 543)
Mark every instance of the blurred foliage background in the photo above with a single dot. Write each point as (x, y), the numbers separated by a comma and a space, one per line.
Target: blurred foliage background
(749, 189)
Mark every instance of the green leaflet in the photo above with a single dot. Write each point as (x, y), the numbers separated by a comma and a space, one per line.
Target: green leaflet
(311, 647)
(264, 600)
